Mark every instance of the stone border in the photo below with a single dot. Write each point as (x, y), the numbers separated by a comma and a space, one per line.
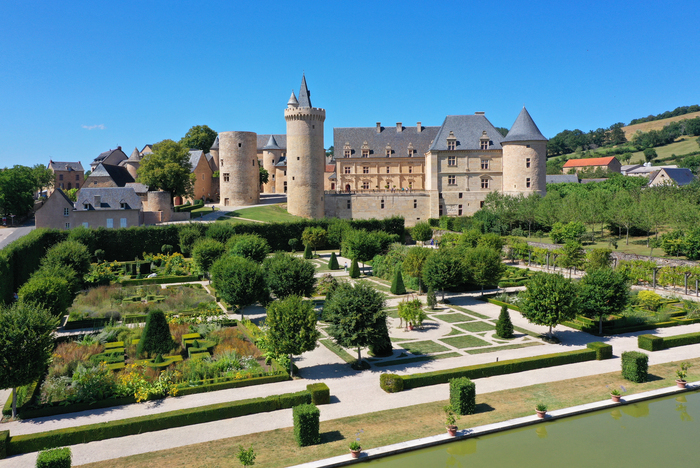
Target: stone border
(401, 447)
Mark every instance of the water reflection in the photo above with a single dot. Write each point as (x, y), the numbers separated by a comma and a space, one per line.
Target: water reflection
(683, 410)
(465, 447)
(616, 414)
(541, 432)
(636, 410)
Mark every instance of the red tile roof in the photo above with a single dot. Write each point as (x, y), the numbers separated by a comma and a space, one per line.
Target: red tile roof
(330, 167)
(589, 162)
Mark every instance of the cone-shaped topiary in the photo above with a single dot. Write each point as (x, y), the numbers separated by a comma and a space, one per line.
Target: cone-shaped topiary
(381, 345)
(333, 262)
(397, 286)
(308, 253)
(504, 327)
(156, 337)
(431, 300)
(159, 359)
(354, 270)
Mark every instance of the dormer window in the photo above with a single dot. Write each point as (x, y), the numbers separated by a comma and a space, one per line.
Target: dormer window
(410, 150)
(365, 150)
(122, 205)
(484, 141)
(451, 141)
(347, 150)
(387, 151)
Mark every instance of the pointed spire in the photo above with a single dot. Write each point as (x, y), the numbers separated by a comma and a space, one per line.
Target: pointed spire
(292, 101)
(524, 129)
(271, 143)
(304, 94)
(215, 145)
(135, 155)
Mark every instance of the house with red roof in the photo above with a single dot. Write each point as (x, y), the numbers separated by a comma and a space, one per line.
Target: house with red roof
(609, 163)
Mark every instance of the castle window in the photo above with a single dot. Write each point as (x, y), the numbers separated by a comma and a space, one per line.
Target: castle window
(527, 146)
(273, 177)
(484, 183)
(365, 185)
(459, 210)
(387, 169)
(410, 150)
(484, 164)
(239, 145)
(388, 151)
(60, 177)
(297, 158)
(410, 169)
(110, 222)
(66, 211)
(451, 180)
(346, 169)
(347, 153)
(226, 177)
(221, 162)
(527, 162)
(333, 186)
(441, 210)
(382, 204)
(481, 204)
(365, 169)
(415, 204)
(67, 225)
(77, 177)
(86, 224)
(451, 145)
(440, 195)
(285, 186)
(77, 185)
(69, 186)
(122, 205)
(122, 222)
(484, 145)
(460, 194)
(527, 182)
(365, 153)
(484, 141)
(451, 160)
(348, 205)
(285, 173)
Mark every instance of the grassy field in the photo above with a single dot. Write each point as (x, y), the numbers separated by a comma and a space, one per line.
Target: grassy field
(683, 145)
(655, 124)
(278, 449)
(266, 213)
(637, 245)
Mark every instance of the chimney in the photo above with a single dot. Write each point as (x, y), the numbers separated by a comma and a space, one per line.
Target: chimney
(98, 201)
(399, 127)
(419, 127)
(479, 113)
(119, 148)
(379, 127)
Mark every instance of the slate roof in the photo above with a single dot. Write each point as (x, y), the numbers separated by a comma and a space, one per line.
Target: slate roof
(66, 166)
(562, 179)
(215, 145)
(589, 162)
(111, 198)
(61, 193)
(399, 141)
(524, 129)
(681, 176)
(138, 188)
(212, 164)
(467, 129)
(147, 149)
(106, 154)
(119, 174)
(589, 181)
(195, 156)
(282, 162)
(135, 155)
(271, 143)
(646, 170)
(280, 139)
(304, 94)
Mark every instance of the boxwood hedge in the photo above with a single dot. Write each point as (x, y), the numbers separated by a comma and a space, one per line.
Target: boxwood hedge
(656, 343)
(320, 393)
(635, 366)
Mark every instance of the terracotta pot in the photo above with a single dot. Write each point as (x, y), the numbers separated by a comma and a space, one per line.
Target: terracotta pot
(615, 398)
(355, 453)
(681, 383)
(452, 430)
(540, 414)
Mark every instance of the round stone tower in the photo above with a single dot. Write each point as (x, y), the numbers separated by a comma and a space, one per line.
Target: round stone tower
(272, 154)
(524, 158)
(239, 176)
(214, 151)
(306, 156)
(160, 201)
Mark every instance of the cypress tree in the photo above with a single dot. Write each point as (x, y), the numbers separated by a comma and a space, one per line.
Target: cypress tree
(504, 327)
(333, 263)
(308, 253)
(156, 337)
(431, 299)
(354, 270)
(397, 286)
(381, 345)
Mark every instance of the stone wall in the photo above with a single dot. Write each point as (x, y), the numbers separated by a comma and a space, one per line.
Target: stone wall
(413, 207)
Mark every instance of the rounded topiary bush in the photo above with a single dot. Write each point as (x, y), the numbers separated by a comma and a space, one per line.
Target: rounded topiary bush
(156, 338)
(391, 383)
(54, 458)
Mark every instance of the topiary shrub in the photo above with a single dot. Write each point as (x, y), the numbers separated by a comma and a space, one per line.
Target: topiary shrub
(4, 441)
(463, 395)
(354, 270)
(54, 458)
(320, 393)
(602, 350)
(504, 327)
(333, 262)
(650, 342)
(381, 345)
(391, 383)
(166, 249)
(649, 299)
(99, 255)
(307, 424)
(635, 366)
(156, 337)
(51, 293)
(430, 298)
(308, 253)
(397, 286)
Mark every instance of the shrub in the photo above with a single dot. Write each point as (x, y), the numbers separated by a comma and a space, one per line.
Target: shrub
(54, 458)
(602, 350)
(4, 440)
(504, 327)
(650, 342)
(635, 366)
(156, 337)
(71, 253)
(430, 299)
(51, 293)
(166, 249)
(649, 299)
(249, 246)
(320, 393)
(354, 270)
(308, 252)
(306, 424)
(391, 383)
(333, 262)
(188, 235)
(463, 395)
(206, 251)
(397, 286)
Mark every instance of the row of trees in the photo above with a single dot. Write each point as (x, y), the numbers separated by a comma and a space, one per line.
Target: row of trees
(568, 141)
(18, 185)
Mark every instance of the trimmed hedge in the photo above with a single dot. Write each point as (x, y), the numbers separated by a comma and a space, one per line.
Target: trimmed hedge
(650, 342)
(155, 422)
(214, 386)
(499, 303)
(463, 395)
(635, 366)
(496, 368)
(161, 280)
(320, 393)
(307, 424)
(54, 458)
(391, 383)
(602, 350)
(4, 441)
(97, 322)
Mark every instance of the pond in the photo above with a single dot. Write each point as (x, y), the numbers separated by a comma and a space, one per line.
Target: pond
(653, 433)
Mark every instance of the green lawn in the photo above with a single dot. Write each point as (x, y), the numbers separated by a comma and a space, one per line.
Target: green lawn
(471, 312)
(501, 348)
(423, 347)
(476, 326)
(453, 318)
(267, 213)
(466, 341)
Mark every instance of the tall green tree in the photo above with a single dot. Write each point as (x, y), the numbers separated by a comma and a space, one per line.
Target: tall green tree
(292, 327)
(239, 281)
(422, 232)
(199, 137)
(168, 168)
(26, 340)
(206, 251)
(287, 275)
(355, 314)
(315, 237)
(69, 253)
(17, 186)
(485, 266)
(572, 256)
(603, 292)
(361, 245)
(443, 270)
(414, 262)
(53, 294)
(249, 246)
(264, 175)
(549, 300)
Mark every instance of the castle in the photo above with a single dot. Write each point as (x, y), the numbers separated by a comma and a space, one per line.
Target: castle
(415, 172)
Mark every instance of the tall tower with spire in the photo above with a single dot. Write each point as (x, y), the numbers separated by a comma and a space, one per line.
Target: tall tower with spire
(524, 158)
(305, 155)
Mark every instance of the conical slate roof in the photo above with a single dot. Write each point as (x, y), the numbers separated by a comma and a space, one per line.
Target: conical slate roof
(292, 101)
(135, 155)
(524, 129)
(271, 143)
(215, 145)
(304, 94)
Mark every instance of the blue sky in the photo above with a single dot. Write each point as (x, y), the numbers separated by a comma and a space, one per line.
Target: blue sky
(78, 78)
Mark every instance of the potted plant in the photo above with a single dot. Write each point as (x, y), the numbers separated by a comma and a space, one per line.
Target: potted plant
(450, 420)
(615, 394)
(682, 373)
(541, 409)
(355, 449)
